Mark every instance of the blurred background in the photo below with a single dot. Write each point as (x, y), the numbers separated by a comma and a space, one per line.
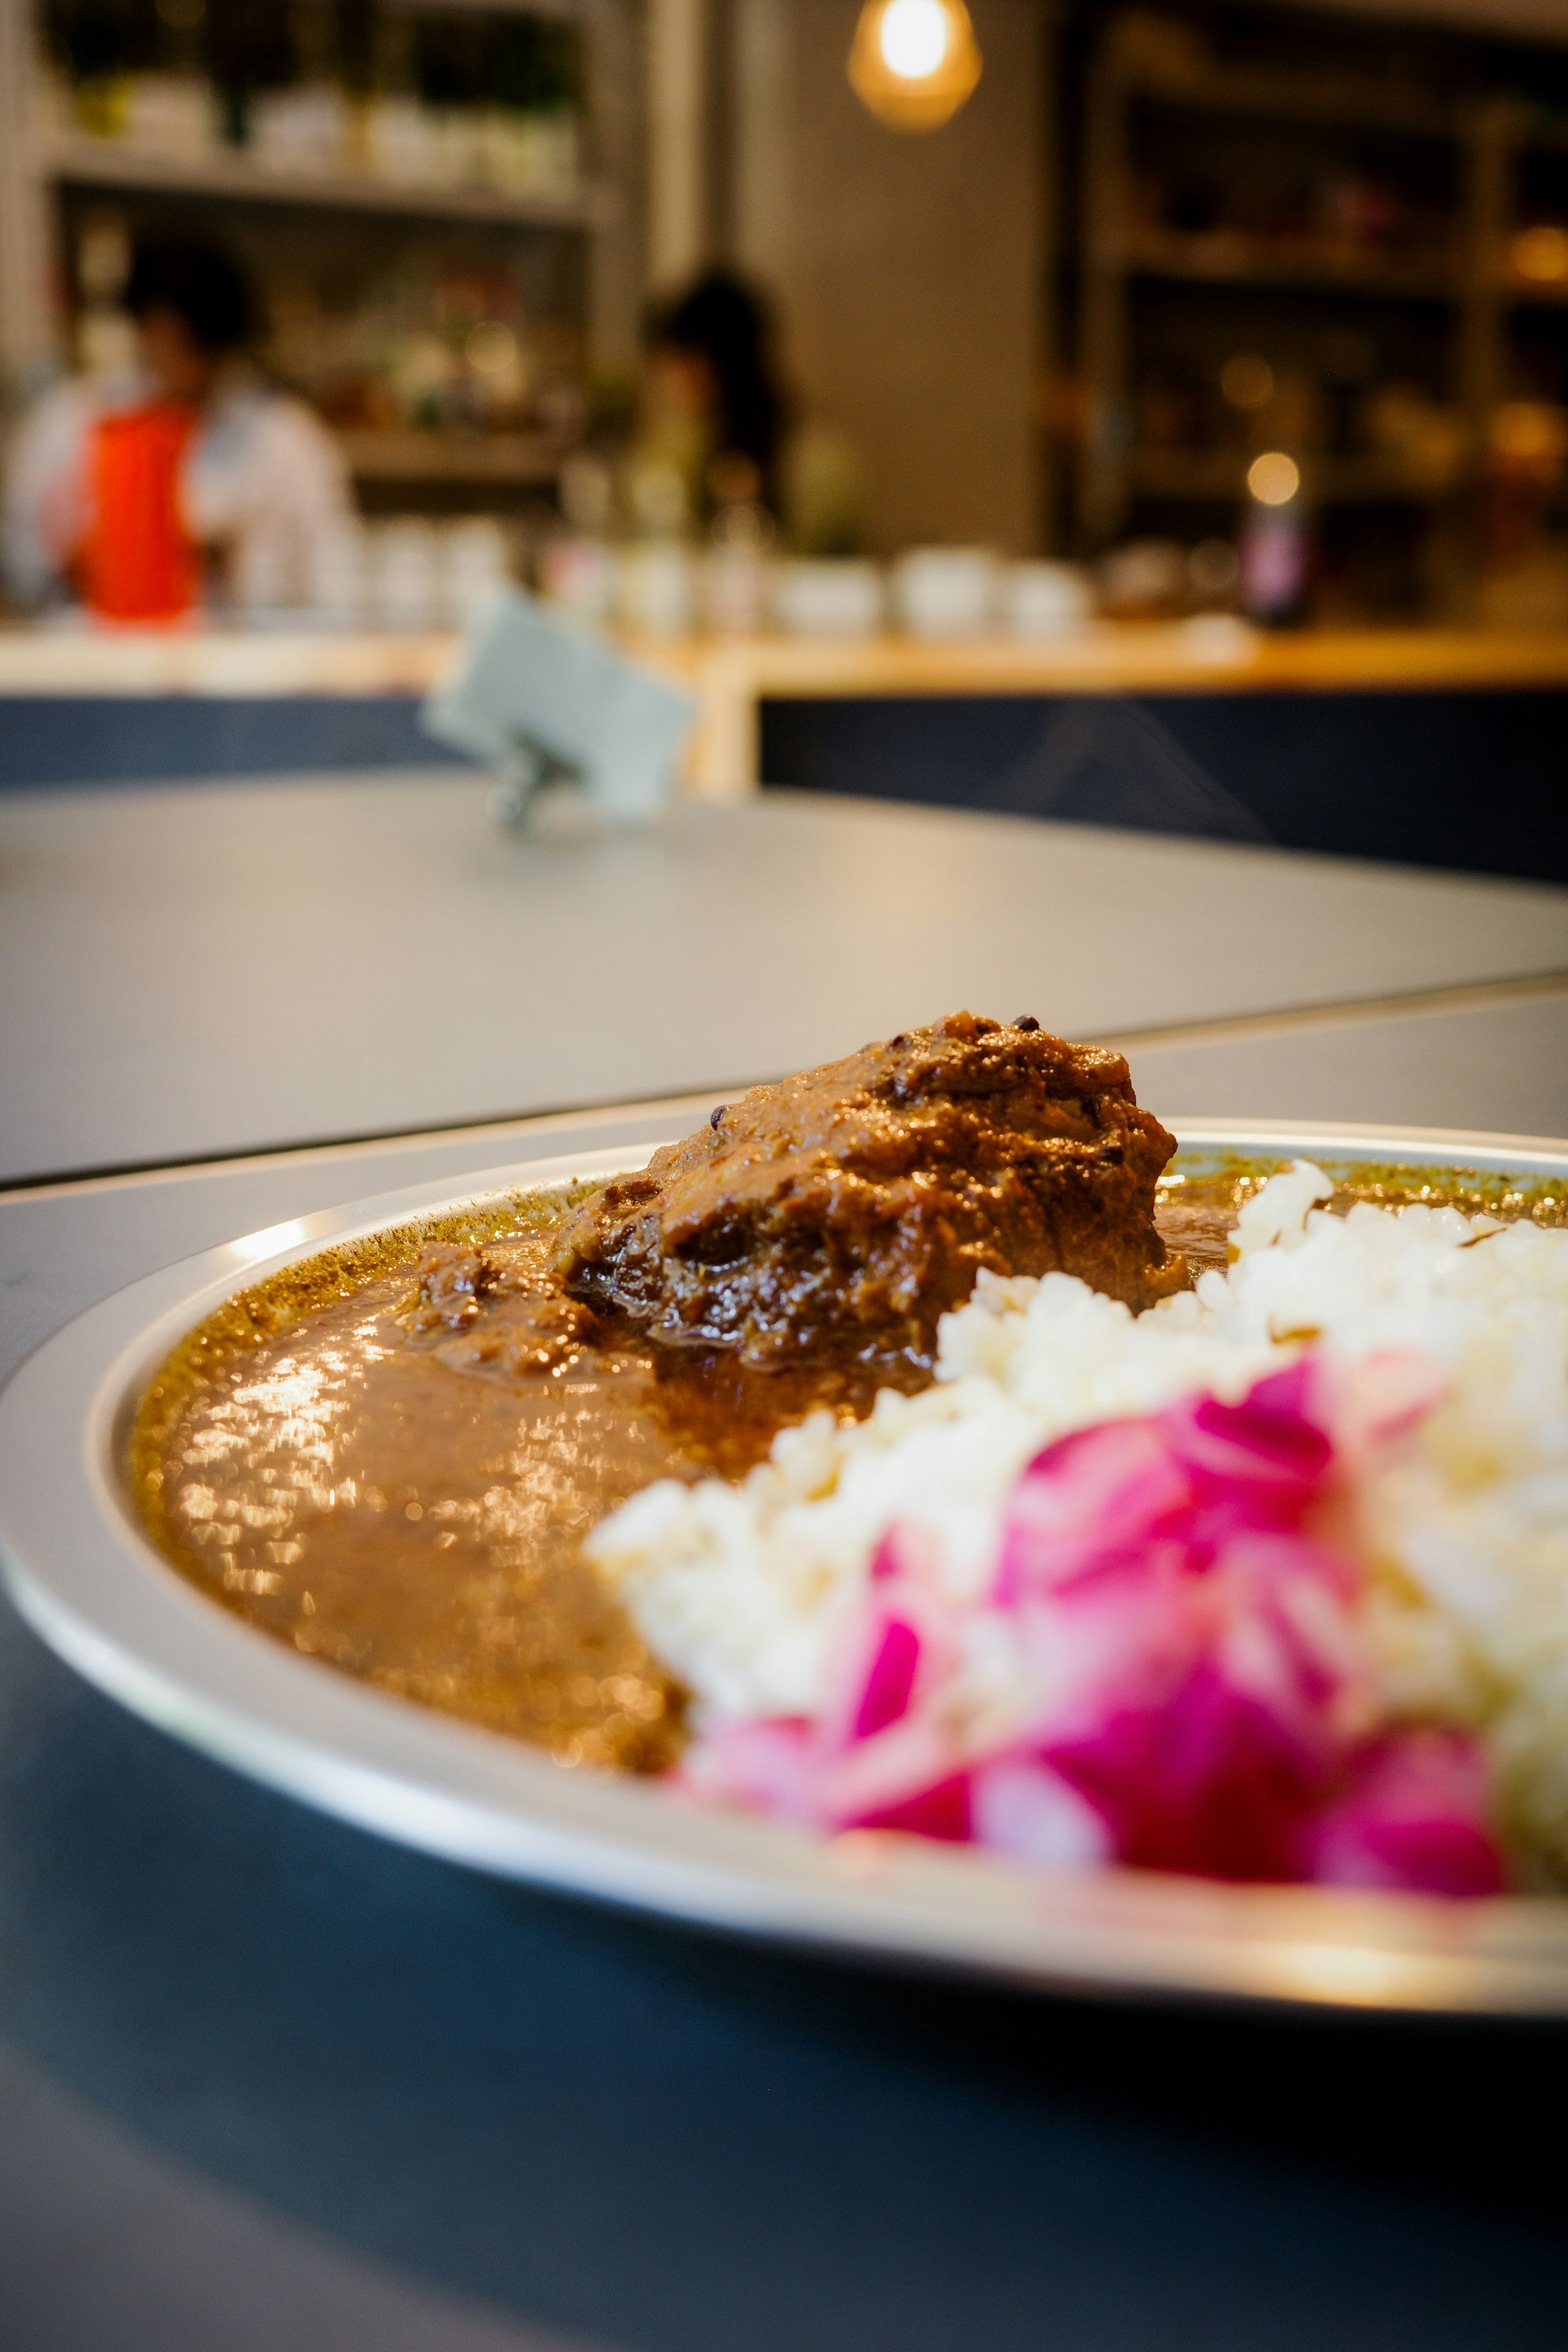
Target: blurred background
(959, 337)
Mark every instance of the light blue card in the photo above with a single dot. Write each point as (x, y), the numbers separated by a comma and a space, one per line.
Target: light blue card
(542, 698)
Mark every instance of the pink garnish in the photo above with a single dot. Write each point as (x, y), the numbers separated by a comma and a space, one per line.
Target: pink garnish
(1271, 1447)
(1205, 1658)
(940, 1811)
(768, 1765)
(1020, 1807)
(1416, 1816)
(891, 1680)
(1167, 1670)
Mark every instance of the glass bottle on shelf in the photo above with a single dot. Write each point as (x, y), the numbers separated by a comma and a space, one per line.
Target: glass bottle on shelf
(1274, 543)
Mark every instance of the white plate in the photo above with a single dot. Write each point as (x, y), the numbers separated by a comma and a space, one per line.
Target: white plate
(86, 1577)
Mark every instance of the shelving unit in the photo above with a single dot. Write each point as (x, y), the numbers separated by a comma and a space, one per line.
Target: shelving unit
(1259, 94)
(507, 460)
(1189, 475)
(42, 164)
(1226, 259)
(84, 161)
(1466, 282)
(1453, 289)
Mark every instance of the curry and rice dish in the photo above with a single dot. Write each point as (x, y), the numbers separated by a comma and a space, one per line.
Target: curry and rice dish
(797, 1465)
(392, 1465)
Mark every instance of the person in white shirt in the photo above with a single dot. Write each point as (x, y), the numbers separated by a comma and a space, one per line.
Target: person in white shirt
(253, 483)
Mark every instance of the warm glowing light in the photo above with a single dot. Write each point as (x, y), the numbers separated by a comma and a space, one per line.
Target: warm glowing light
(1274, 478)
(913, 39)
(914, 62)
(1541, 254)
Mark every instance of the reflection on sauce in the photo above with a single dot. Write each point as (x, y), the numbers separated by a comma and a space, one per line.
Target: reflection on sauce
(320, 1467)
(311, 1460)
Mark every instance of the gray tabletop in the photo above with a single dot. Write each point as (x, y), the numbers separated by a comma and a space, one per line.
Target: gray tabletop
(270, 2083)
(200, 970)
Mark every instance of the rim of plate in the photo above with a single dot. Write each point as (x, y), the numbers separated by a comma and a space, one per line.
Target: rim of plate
(88, 1580)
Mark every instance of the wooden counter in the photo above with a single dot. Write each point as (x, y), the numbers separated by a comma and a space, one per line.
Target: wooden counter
(217, 661)
(733, 677)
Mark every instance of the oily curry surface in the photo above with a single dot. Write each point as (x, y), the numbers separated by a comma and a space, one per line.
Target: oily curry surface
(341, 1465)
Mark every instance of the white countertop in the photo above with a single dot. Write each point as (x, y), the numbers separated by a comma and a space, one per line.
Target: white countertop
(193, 972)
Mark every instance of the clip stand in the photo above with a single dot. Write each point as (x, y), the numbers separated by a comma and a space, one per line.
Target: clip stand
(542, 701)
(514, 801)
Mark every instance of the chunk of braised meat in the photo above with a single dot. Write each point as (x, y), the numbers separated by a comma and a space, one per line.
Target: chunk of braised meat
(452, 1282)
(501, 1318)
(849, 1207)
(536, 1331)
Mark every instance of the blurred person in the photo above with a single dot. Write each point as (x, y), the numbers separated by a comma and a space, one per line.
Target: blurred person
(718, 442)
(184, 480)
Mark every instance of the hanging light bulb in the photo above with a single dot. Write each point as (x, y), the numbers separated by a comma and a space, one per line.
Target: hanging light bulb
(914, 62)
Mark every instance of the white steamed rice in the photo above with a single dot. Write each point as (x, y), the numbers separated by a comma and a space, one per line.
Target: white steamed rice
(741, 1589)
